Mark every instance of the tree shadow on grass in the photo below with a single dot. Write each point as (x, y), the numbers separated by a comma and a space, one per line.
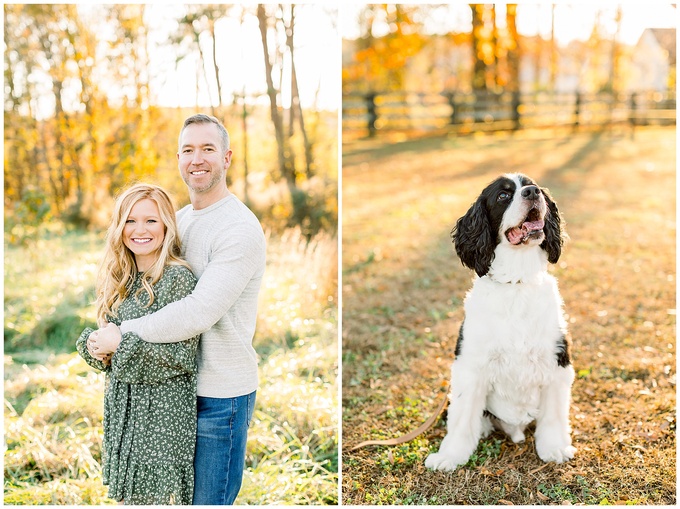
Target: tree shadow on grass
(53, 334)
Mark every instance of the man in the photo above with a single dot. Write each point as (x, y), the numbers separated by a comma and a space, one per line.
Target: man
(223, 242)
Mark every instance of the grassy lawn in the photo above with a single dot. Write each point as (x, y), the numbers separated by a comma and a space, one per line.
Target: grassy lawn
(403, 289)
(54, 401)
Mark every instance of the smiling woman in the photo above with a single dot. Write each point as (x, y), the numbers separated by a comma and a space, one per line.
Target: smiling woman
(150, 395)
(120, 263)
(144, 233)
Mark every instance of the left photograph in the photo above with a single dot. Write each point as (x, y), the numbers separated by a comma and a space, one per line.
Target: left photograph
(171, 254)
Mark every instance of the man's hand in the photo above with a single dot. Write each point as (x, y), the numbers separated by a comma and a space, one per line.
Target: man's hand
(103, 343)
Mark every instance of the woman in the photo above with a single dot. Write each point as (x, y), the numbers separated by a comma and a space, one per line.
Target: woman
(150, 398)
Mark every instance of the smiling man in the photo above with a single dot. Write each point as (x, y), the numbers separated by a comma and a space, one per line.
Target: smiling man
(204, 157)
(224, 244)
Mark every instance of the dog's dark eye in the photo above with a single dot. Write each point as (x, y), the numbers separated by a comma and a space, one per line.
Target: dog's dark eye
(503, 196)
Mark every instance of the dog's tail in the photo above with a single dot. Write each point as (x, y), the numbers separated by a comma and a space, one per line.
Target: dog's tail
(413, 434)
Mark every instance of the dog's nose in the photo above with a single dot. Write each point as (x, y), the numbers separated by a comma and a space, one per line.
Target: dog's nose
(531, 192)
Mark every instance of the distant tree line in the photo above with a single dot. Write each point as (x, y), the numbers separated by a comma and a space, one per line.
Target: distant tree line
(404, 57)
(80, 118)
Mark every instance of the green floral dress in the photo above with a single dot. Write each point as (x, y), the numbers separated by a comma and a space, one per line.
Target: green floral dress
(149, 404)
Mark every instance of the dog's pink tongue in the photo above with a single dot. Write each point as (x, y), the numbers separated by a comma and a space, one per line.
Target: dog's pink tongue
(532, 226)
(516, 235)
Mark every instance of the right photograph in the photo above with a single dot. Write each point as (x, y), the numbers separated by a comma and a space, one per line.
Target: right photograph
(509, 254)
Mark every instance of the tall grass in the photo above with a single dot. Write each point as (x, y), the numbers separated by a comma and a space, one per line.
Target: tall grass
(54, 401)
(49, 288)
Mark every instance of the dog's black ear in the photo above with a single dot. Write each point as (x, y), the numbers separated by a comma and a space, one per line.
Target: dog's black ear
(475, 242)
(554, 230)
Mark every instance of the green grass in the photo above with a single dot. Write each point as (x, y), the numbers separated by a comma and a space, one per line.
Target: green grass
(403, 290)
(487, 450)
(54, 401)
(49, 288)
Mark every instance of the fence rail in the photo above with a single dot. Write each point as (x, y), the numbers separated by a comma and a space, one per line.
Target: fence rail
(372, 113)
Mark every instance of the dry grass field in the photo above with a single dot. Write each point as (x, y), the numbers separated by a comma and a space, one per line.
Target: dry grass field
(54, 401)
(403, 289)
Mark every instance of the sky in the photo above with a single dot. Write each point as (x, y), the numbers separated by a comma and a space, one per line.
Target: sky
(317, 59)
(573, 20)
(173, 83)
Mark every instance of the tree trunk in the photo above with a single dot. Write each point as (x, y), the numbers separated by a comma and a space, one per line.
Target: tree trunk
(479, 65)
(553, 52)
(215, 66)
(514, 51)
(296, 107)
(286, 166)
(244, 120)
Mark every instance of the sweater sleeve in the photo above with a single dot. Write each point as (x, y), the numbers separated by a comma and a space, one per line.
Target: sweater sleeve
(81, 346)
(235, 259)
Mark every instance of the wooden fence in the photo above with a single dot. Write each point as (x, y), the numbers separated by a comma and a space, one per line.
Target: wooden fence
(370, 114)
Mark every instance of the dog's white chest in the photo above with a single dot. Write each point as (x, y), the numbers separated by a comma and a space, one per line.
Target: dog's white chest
(511, 331)
(515, 381)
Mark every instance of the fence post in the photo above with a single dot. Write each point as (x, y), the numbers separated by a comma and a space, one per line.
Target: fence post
(633, 107)
(577, 110)
(451, 98)
(632, 115)
(372, 114)
(515, 110)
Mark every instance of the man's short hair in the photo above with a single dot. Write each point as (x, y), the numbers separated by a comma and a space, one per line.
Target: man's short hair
(202, 118)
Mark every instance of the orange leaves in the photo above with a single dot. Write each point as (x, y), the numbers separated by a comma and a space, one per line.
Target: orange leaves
(384, 62)
(381, 61)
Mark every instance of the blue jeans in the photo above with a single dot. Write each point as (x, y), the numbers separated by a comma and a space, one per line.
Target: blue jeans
(221, 448)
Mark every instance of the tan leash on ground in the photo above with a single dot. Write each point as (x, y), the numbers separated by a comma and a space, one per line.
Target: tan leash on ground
(413, 434)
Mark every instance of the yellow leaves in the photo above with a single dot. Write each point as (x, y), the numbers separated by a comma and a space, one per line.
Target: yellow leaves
(381, 61)
(486, 52)
(389, 53)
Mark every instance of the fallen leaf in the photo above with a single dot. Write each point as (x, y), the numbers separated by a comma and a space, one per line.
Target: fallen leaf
(520, 450)
(539, 468)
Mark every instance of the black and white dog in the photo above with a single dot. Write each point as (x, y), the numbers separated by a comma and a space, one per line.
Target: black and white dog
(512, 362)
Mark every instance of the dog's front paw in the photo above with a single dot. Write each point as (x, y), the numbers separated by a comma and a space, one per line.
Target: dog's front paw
(439, 461)
(558, 455)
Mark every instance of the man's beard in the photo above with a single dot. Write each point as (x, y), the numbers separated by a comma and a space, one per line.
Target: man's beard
(215, 177)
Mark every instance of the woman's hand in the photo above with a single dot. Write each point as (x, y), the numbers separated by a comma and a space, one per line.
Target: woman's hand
(103, 343)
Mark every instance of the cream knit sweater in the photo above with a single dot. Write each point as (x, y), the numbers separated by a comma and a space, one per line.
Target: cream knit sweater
(225, 247)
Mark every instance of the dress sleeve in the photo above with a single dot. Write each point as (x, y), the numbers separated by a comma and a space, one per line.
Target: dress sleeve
(138, 362)
(81, 346)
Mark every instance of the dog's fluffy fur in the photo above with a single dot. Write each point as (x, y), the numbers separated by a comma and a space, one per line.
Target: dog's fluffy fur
(512, 363)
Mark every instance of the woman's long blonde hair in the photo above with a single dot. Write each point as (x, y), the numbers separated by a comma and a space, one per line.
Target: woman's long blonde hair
(118, 269)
